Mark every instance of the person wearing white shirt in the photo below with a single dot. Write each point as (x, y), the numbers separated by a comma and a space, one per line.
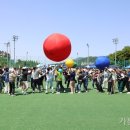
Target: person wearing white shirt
(105, 79)
(49, 79)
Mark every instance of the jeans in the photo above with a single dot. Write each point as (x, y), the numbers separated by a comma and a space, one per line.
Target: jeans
(85, 84)
(110, 86)
(0, 87)
(78, 87)
(35, 84)
(120, 86)
(12, 87)
(49, 82)
(59, 86)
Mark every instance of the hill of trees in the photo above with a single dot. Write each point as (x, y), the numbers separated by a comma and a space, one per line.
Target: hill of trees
(122, 56)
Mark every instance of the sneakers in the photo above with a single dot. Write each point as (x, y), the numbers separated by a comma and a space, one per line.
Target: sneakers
(108, 93)
(57, 92)
(39, 91)
(52, 91)
(128, 92)
(13, 95)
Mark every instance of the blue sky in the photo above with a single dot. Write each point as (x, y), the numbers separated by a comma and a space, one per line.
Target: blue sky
(95, 22)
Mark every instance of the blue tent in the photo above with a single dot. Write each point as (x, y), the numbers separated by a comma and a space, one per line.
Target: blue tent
(40, 65)
(127, 67)
(114, 66)
(92, 66)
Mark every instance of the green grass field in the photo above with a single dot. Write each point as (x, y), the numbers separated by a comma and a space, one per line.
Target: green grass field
(85, 111)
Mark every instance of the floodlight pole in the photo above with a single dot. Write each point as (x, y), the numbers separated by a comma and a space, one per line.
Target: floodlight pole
(115, 41)
(27, 56)
(88, 54)
(77, 58)
(7, 46)
(15, 38)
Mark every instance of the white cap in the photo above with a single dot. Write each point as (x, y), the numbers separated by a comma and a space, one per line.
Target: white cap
(110, 69)
(24, 67)
(11, 69)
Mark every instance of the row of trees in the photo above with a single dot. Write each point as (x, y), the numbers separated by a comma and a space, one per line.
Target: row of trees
(122, 58)
(28, 63)
(6, 61)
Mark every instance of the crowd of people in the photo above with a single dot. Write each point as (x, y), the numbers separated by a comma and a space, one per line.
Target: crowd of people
(71, 80)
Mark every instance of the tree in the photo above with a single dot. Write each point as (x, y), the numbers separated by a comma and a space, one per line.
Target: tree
(126, 52)
(3, 61)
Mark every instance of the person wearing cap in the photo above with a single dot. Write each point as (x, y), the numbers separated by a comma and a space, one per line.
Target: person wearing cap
(59, 77)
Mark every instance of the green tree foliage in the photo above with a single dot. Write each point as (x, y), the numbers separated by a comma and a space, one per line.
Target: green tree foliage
(10, 62)
(122, 56)
(29, 63)
(126, 52)
(3, 61)
(3, 58)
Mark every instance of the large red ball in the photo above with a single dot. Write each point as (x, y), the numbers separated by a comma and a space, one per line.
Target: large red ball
(57, 47)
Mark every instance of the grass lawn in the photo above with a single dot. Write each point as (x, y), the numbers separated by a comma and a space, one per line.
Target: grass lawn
(85, 111)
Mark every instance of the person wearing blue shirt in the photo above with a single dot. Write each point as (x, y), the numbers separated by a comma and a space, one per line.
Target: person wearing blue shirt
(6, 80)
(1, 80)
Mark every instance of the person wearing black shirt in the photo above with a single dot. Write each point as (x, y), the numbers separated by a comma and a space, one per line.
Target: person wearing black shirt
(128, 82)
(85, 80)
(110, 82)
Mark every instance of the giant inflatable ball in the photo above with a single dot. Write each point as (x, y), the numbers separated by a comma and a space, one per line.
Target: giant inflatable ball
(102, 62)
(57, 47)
(69, 63)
